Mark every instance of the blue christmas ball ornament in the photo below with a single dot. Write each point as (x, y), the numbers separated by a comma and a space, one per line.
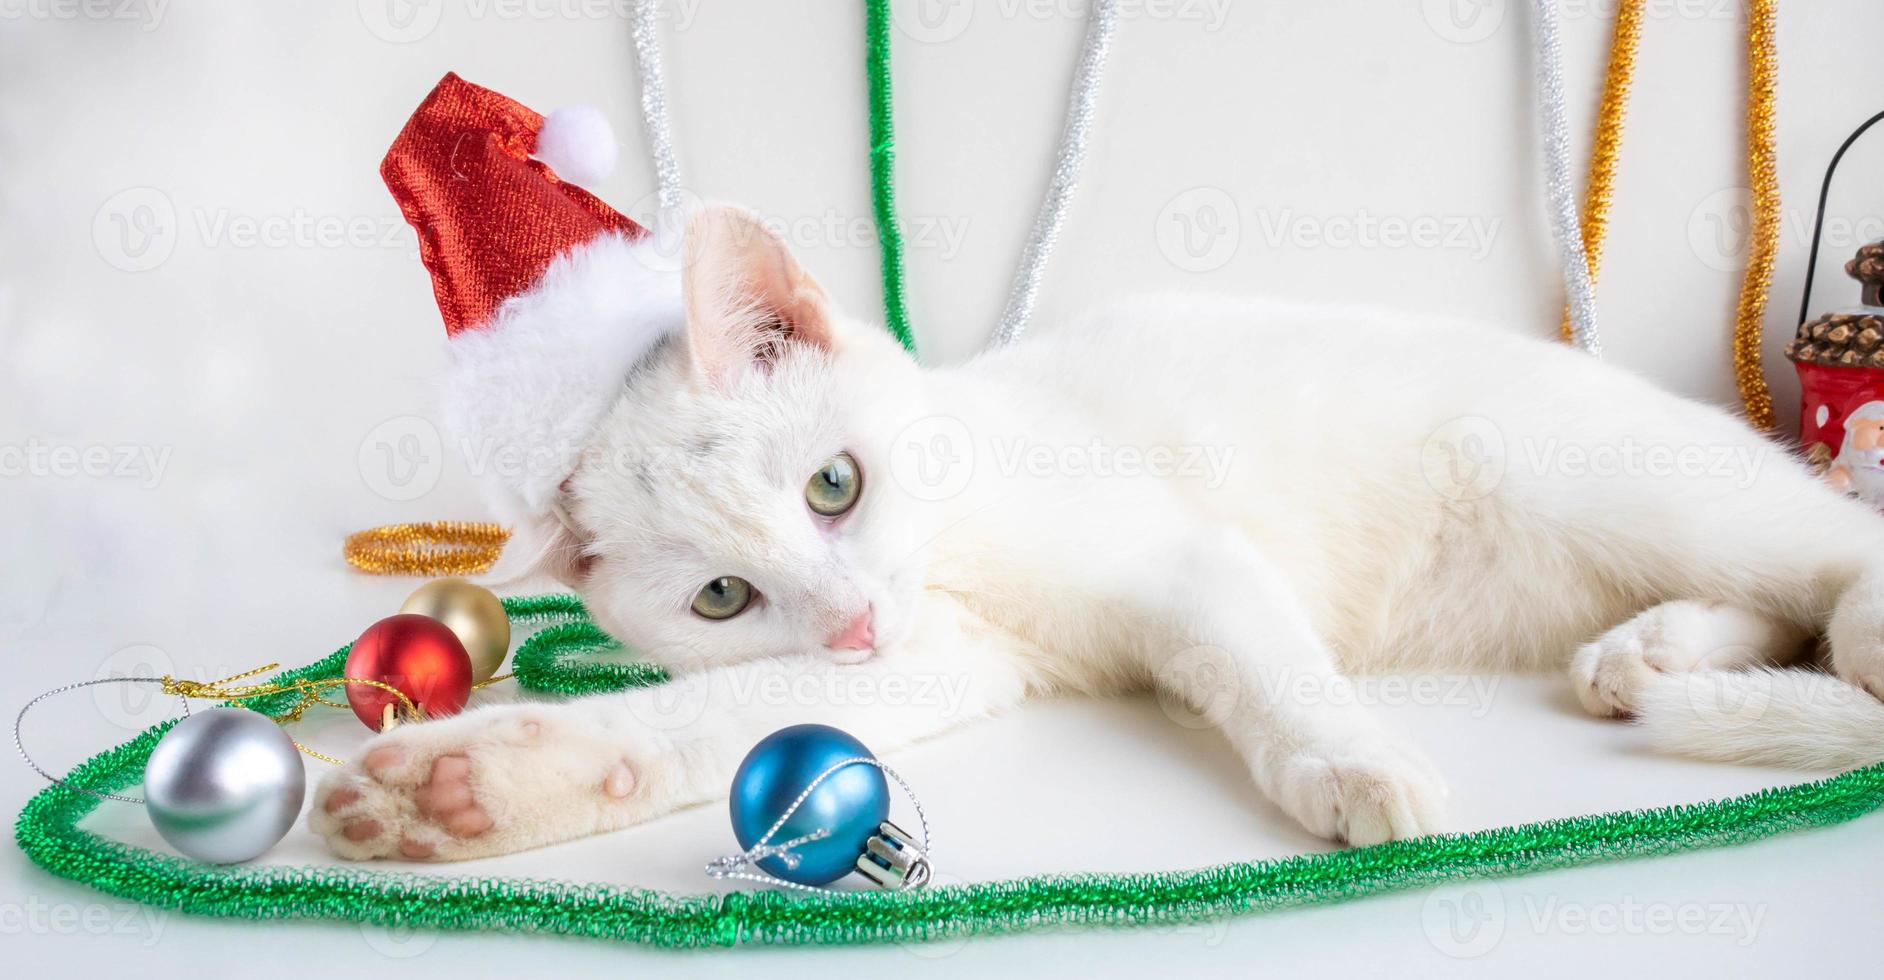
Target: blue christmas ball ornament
(851, 803)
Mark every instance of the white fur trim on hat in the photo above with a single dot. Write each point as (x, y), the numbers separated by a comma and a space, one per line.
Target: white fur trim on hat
(524, 392)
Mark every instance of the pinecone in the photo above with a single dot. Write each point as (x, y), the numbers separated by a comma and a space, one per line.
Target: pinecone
(1848, 339)
(1868, 268)
(1844, 339)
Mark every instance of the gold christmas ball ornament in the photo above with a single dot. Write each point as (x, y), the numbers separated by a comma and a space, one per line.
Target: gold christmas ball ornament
(474, 614)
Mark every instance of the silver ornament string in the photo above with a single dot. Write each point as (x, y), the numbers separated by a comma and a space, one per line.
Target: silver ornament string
(19, 744)
(1565, 223)
(647, 41)
(745, 864)
(1065, 180)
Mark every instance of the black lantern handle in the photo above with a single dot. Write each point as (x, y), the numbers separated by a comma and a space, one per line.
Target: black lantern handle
(1818, 222)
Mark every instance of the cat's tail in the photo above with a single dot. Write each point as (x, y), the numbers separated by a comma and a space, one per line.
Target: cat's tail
(1797, 719)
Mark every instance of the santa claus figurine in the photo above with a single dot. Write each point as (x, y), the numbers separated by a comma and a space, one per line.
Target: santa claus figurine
(1859, 466)
(1840, 360)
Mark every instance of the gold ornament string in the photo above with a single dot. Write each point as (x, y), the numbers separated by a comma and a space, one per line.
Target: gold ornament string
(226, 689)
(222, 690)
(1763, 177)
(1607, 145)
(432, 548)
(309, 690)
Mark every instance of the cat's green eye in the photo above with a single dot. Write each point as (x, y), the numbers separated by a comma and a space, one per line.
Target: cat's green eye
(834, 489)
(723, 598)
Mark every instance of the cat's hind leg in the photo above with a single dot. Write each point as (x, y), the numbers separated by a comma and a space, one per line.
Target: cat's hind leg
(1703, 682)
(1610, 673)
(1760, 714)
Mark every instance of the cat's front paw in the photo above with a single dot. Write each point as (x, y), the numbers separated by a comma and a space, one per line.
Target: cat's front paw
(1363, 792)
(489, 782)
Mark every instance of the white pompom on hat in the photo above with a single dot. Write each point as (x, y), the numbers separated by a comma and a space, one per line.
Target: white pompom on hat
(578, 143)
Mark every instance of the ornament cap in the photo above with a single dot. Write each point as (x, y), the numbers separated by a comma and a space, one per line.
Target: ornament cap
(892, 859)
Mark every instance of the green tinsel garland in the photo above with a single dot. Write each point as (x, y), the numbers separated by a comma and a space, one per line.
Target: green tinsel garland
(883, 170)
(550, 662)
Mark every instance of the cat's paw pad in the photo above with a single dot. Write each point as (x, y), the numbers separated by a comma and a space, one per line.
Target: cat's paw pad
(1363, 794)
(487, 783)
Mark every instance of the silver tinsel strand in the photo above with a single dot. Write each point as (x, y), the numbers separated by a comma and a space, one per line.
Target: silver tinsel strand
(647, 41)
(1565, 223)
(1066, 166)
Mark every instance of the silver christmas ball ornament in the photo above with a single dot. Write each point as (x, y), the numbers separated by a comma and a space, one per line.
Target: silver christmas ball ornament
(224, 785)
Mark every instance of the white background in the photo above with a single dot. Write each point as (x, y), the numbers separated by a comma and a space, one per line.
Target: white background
(200, 268)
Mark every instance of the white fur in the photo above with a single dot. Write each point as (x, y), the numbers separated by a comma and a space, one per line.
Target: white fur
(1612, 674)
(1388, 493)
(523, 393)
(1798, 719)
(578, 143)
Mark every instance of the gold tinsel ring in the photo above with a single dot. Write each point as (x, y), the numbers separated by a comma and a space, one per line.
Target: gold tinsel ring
(437, 548)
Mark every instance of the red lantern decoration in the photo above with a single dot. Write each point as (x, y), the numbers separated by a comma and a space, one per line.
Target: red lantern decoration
(419, 656)
(1840, 359)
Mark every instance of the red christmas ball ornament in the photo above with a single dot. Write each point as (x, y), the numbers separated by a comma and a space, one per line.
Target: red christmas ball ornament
(419, 656)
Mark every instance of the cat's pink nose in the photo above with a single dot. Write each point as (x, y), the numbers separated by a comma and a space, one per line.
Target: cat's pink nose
(859, 634)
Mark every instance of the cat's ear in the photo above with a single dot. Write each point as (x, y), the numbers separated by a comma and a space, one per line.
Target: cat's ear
(540, 546)
(745, 294)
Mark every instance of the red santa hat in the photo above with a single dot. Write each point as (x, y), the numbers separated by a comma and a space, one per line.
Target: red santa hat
(549, 296)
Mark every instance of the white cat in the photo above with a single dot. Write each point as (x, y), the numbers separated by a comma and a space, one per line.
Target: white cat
(1234, 503)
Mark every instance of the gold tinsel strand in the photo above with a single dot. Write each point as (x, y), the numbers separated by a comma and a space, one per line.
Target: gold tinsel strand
(308, 692)
(1607, 146)
(1763, 177)
(434, 548)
